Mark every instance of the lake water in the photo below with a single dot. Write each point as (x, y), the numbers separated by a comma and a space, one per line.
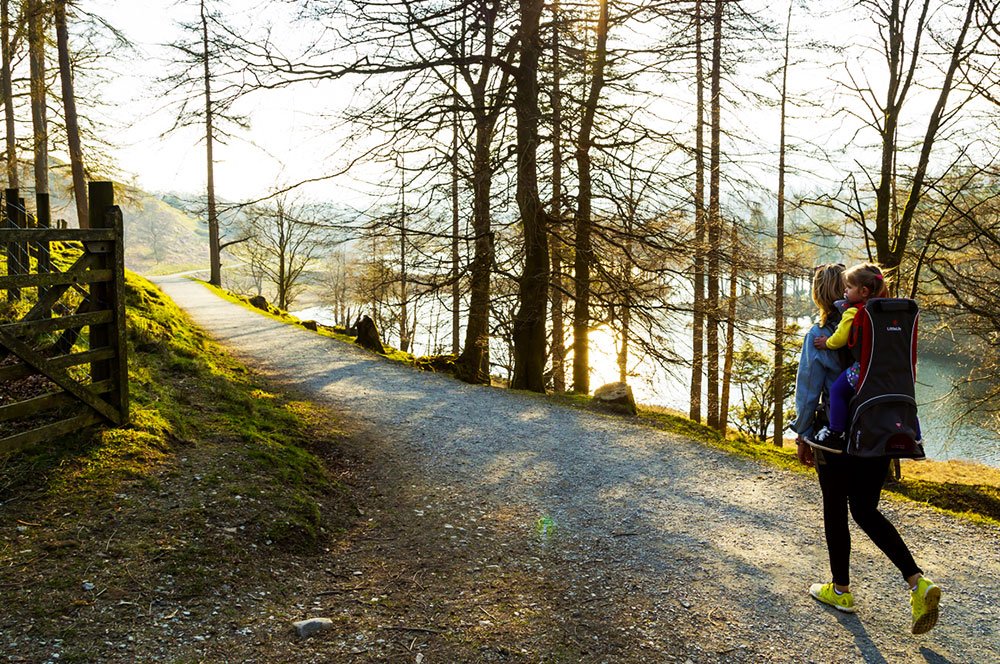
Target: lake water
(948, 434)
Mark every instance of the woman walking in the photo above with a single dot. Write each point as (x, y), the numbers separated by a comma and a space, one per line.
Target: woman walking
(848, 482)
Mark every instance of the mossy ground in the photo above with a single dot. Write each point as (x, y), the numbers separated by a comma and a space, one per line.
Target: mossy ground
(965, 489)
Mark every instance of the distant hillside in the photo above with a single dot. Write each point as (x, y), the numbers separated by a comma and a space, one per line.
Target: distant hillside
(161, 238)
(163, 234)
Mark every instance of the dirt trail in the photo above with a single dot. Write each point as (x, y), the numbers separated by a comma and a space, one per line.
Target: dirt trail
(689, 552)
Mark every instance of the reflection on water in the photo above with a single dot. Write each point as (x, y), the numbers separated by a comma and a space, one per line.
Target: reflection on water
(948, 433)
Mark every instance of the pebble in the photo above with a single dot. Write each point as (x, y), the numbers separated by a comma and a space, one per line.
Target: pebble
(310, 626)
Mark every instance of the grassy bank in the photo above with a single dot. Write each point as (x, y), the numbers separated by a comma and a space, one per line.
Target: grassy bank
(214, 480)
(966, 489)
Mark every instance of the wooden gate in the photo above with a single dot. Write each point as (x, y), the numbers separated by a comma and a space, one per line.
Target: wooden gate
(63, 363)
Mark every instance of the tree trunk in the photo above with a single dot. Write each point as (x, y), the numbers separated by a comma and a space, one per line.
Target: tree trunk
(473, 364)
(727, 365)
(779, 258)
(36, 56)
(456, 291)
(530, 319)
(558, 321)
(404, 332)
(714, 221)
(891, 239)
(626, 320)
(584, 248)
(8, 95)
(698, 297)
(72, 123)
(282, 272)
(214, 257)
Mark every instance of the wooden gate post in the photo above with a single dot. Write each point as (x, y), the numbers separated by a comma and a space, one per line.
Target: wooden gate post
(103, 213)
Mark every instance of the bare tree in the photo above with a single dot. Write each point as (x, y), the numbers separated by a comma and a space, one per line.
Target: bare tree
(714, 225)
(7, 47)
(283, 239)
(698, 295)
(557, 288)
(779, 258)
(530, 320)
(36, 49)
(902, 175)
(338, 273)
(207, 83)
(71, 119)
(582, 226)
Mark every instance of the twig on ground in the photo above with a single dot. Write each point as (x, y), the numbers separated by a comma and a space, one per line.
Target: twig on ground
(404, 628)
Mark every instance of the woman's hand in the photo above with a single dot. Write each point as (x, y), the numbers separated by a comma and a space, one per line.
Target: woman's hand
(804, 452)
(820, 342)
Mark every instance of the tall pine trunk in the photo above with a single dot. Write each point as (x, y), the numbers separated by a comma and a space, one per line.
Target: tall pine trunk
(727, 365)
(72, 123)
(698, 298)
(456, 291)
(8, 95)
(473, 364)
(530, 319)
(283, 236)
(214, 257)
(779, 257)
(558, 319)
(404, 330)
(714, 220)
(39, 123)
(583, 226)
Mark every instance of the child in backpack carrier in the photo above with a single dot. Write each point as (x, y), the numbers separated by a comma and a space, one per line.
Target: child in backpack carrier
(863, 281)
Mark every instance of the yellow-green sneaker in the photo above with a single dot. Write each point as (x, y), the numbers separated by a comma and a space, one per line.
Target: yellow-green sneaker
(924, 605)
(825, 593)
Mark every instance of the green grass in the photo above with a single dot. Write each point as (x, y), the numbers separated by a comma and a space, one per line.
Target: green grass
(212, 473)
(440, 363)
(975, 500)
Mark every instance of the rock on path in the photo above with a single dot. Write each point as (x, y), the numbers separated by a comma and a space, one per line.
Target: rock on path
(690, 527)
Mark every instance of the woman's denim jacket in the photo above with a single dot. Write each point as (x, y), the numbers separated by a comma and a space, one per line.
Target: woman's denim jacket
(817, 370)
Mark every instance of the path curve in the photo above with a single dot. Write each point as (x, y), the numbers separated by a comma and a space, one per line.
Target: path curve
(705, 530)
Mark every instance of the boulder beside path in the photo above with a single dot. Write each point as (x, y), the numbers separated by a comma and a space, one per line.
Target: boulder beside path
(616, 397)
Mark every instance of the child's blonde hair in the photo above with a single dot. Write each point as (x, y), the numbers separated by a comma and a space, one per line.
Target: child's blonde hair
(828, 287)
(867, 275)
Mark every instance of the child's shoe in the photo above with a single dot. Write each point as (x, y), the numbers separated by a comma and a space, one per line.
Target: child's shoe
(829, 440)
(924, 605)
(826, 593)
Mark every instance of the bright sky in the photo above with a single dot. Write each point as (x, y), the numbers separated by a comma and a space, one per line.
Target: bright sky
(288, 142)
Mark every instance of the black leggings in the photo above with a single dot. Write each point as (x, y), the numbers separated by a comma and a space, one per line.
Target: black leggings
(847, 480)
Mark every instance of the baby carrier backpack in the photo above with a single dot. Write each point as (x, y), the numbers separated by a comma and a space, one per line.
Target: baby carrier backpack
(883, 412)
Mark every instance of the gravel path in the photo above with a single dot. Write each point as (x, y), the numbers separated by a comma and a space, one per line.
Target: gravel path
(694, 531)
